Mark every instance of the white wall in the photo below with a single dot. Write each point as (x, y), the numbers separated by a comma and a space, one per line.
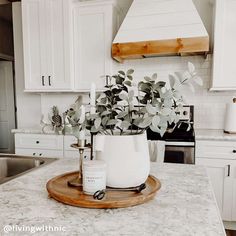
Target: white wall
(209, 106)
(28, 105)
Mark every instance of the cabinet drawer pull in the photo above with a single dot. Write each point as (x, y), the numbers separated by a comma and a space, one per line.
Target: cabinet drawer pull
(34, 154)
(40, 154)
(228, 170)
(43, 81)
(37, 142)
(234, 151)
(49, 80)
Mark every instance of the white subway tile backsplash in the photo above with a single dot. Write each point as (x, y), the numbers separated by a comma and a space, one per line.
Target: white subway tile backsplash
(209, 106)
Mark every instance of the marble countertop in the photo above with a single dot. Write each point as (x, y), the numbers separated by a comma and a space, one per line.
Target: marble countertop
(213, 134)
(185, 205)
(35, 131)
(29, 131)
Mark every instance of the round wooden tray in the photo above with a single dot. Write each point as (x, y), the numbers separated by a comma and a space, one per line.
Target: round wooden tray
(59, 190)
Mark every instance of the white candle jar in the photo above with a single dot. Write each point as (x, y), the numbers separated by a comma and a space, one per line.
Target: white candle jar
(94, 176)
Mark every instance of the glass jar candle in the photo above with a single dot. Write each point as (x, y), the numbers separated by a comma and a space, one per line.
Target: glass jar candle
(94, 176)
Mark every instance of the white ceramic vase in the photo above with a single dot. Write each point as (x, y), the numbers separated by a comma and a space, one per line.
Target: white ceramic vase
(127, 159)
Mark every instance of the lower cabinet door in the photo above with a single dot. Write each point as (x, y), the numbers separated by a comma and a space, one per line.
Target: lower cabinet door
(39, 152)
(220, 173)
(234, 194)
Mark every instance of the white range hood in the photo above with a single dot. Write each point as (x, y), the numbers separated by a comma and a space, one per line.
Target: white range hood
(160, 27)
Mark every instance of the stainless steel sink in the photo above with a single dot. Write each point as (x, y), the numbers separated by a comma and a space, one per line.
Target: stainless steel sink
(12, 166)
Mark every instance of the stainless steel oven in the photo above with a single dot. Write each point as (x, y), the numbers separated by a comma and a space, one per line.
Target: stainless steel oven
(180, 142)
(180, 152)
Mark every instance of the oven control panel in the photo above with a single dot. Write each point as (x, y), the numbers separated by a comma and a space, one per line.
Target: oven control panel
(186, 113)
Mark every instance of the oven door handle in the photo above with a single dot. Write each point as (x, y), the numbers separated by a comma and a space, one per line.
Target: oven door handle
(180, 144)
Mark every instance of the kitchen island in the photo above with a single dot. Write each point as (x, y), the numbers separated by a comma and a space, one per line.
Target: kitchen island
(185, 205)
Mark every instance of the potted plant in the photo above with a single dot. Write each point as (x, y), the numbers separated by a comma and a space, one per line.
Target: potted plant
(119, 118)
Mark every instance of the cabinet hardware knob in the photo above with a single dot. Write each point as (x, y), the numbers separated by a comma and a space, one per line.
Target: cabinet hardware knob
(40, 154)
(234, 151)
(34, 154)
(37, 142)
(49, 80)
(43, 83)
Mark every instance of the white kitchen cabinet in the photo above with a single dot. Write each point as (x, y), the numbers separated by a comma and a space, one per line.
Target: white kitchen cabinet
(48, 145)
(234, 194)
(46, 44)
(39, 145)
(39, 152)
(224, 68)
(222, 173)
(93, 27)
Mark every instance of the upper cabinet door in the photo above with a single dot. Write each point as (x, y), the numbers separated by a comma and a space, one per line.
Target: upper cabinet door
(58, 44)
(46, 38)
(224, 69)
(33, 21)
(93, 26)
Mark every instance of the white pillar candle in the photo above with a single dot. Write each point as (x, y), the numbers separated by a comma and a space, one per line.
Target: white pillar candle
(82, 115)
(92, 94)
(81, 135)
(92, 110)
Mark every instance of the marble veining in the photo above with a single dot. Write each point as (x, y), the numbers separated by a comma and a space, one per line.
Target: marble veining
(213, 134)
(30, 131)
(184, 206)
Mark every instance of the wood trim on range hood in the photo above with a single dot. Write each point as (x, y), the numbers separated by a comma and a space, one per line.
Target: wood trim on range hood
(160, 27)
(180, 46)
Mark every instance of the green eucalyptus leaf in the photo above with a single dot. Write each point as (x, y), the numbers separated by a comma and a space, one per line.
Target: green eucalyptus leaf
(198, 80)
(166, 111)
(121, 74)
(162, 131)
(125, 125)
(101, 108)
(179, 75)
(145, 123)
(119, 80)
(123, 96)
(105, 120)
(72, 122)
(168, 103)
(128, 83)
(130, 77)
(122, 114)
(130, 71)
(103, 100)
(112, 122)
(148, 79)
(144, 87)
(105, 113)
(137, 121)
(97, 122)
(150, 109)
(116, 90)
(191, 67)
(155, 121)
(154, 76)
(155, 129)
